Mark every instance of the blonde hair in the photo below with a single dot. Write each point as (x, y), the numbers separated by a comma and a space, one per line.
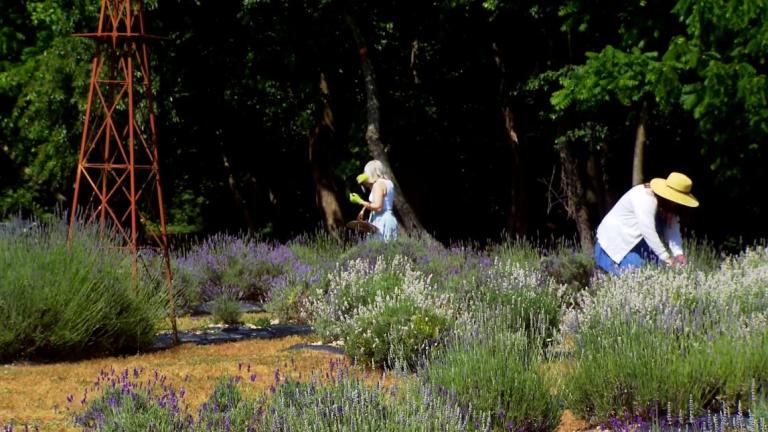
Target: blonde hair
(376, 170)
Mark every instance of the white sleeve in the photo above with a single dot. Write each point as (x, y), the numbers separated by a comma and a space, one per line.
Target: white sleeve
(645, 212)
(672, 234)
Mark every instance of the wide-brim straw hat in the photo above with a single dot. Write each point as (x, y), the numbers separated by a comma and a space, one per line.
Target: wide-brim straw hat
(676, 188)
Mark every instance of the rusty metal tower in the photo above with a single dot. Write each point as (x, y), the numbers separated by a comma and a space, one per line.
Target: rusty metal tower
(118, 176)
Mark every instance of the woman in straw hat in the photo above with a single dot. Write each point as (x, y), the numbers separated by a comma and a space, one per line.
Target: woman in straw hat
(380, 201)
(631, 233)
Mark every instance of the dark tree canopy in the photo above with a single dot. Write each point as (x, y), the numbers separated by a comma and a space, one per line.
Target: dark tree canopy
(521, 117)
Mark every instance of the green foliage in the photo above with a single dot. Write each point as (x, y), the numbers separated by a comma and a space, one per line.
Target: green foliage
(61, 300)
(571, 270)
(689, 339)
(622, 367)
(413, 248)
(226, 407)
(398, 333)
(702, 254)
(286, 304)
(385, 312)
(607, 75)
(42, 94)
(499, 372)
(226, 309)
(117, 410)
(515, 251)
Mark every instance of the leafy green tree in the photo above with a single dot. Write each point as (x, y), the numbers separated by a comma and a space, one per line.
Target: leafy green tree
(43, 78)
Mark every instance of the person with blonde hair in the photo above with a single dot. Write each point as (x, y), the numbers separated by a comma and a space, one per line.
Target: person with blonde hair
(631, 233)
(380, 201)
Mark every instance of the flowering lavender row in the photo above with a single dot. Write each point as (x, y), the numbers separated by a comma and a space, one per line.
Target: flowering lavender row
(733, 299)
(238, 267)
(134, 400)
(724, 420)
(656, 335)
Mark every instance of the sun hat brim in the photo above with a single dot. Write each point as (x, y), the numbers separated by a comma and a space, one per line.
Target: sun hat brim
(660, 188)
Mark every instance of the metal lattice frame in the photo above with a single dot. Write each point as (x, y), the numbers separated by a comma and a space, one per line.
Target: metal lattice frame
(118, 170)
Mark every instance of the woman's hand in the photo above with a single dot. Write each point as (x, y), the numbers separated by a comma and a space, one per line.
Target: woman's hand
(680, 260)
(356, 199)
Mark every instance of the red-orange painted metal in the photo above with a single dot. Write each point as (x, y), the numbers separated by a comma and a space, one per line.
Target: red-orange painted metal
(118, 168)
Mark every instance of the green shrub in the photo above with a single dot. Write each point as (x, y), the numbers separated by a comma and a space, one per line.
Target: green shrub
(381, 309)
(226, 309)
(59, 300)
(287, 303)
(627, 368)
(497, 372)
(399, 331)
(659, 337)
(571, 270)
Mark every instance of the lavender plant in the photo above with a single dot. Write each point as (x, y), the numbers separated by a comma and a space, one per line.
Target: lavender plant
(225, 262)
(130, 401)
(381, 306)
(654, 336)
(60, 299)
(525, 292)
(287, 299)
(226, 310)
(126, 401)
(498, 371)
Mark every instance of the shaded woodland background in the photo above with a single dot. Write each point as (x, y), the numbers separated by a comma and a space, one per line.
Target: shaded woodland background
(520, 117)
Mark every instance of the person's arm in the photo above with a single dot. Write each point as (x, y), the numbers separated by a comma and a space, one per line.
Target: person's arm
(645, 212)
(377, 192)
(674, 239)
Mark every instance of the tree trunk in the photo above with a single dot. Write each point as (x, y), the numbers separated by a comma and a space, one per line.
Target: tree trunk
(325, 190)
(575, 200)
(234, 187)
(516, 219)
(407, 216)
(637, 160)
(414, 57)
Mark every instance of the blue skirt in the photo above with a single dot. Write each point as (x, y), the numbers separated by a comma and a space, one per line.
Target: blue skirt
(640, 255)
(387, 225)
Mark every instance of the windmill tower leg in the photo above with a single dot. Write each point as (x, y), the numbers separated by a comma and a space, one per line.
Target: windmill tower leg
(118, 169)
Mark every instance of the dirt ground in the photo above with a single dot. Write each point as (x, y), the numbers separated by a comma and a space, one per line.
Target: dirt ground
(36, 394)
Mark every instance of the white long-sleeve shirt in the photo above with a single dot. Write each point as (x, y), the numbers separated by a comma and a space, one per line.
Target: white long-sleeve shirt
(632, 219)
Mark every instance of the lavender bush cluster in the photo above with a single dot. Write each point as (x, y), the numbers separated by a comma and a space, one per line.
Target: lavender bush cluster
(134, 400)
(497, 365)
(63, 297)
(237, 267)
(483, 329)
(733, 299)
(379, 308)
(657, 336)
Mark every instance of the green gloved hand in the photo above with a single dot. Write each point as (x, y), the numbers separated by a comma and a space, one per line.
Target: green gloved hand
(361, 178)
(355, 199)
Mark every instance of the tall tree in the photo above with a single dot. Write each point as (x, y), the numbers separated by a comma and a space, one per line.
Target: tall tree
(319, 139)
(407, 216)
